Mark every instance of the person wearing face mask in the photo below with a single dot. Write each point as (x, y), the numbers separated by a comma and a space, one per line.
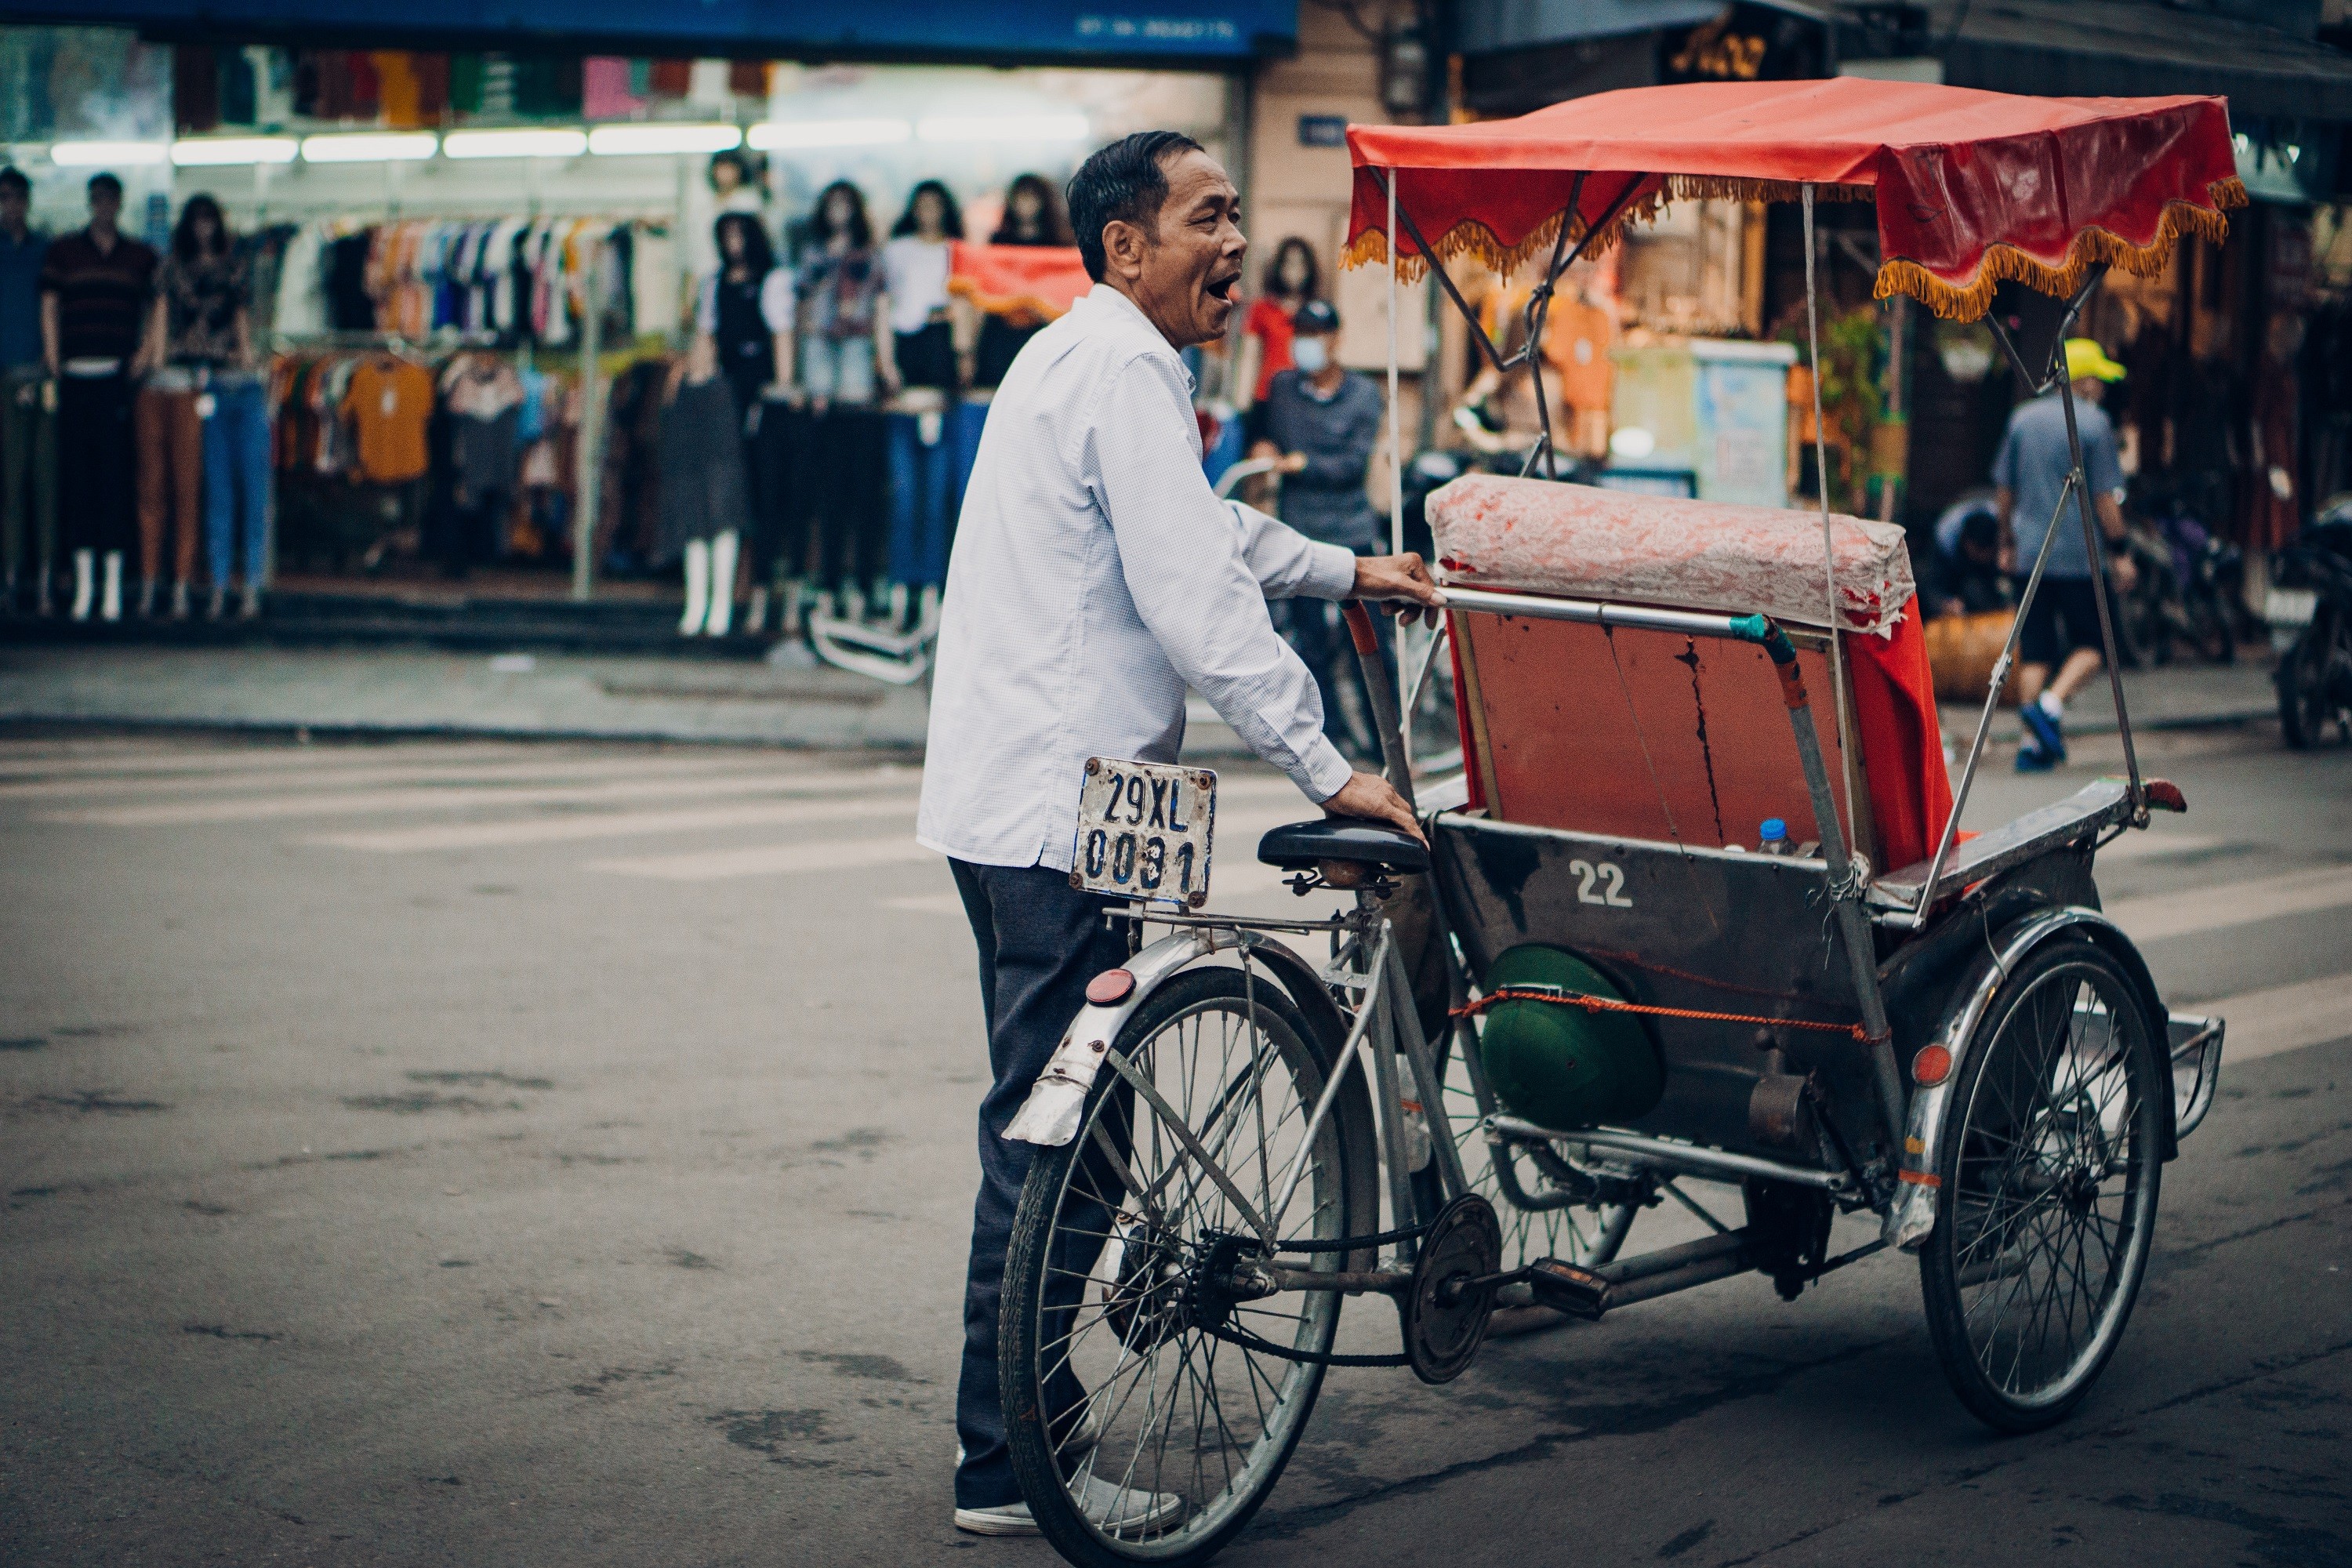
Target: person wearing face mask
(1095, 577)
(1321, 424)
(1292, 278)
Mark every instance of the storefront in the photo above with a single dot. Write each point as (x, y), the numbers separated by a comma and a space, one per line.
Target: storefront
(2235, 399)
(548, 220)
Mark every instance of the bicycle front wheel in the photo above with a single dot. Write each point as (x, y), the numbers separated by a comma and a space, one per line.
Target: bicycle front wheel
(1148, 1413)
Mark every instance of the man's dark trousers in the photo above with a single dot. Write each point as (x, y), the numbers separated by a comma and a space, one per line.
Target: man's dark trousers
(1040, 941)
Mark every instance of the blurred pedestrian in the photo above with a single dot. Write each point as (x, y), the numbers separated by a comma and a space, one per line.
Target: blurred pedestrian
(1321, 423)
(1291, 278)
(96, 284)
(2028, 475)
(28, 452)
(1962, 575)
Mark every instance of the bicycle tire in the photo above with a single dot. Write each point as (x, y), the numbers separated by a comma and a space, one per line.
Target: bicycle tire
(1066, 1181)
(2041, 1121)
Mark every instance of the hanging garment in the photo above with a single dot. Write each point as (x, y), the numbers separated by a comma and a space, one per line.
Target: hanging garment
(389, 403)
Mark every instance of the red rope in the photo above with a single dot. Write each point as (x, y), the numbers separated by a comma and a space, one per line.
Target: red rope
(1611, 1005)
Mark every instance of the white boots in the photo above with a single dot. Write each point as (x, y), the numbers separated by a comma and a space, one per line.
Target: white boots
(722, 584)
(87, 586)
(697, 588)
(711, 586)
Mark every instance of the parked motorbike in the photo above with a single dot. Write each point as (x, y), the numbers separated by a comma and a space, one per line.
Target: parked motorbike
(2312, 585)
(2205, 575)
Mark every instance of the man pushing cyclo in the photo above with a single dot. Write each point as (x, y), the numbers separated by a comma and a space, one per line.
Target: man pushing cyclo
(1094, 578)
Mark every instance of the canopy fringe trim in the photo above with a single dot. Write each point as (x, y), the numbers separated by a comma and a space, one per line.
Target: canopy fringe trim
(2092, 247)
(1473, 239)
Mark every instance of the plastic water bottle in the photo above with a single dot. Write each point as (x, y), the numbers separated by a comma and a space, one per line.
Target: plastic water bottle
(1773, 837)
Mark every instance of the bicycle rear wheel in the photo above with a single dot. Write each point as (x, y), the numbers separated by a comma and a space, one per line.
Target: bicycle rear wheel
(2048, 1174)
(1148, 1413)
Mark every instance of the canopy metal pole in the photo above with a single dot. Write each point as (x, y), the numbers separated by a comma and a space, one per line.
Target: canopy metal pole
(2099, 584)
(1396, 459)
(1829, 549)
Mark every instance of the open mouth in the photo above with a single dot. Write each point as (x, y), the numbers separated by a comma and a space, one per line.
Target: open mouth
(1222, 285)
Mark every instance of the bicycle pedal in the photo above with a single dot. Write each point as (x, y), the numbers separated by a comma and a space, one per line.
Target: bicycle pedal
(1565, 1288)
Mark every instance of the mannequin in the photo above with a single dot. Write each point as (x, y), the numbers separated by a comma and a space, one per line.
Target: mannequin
(840, 291)
(704, 495)
(916, 349)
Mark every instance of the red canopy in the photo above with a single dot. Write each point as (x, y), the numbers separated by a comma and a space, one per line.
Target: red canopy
(1971, 188)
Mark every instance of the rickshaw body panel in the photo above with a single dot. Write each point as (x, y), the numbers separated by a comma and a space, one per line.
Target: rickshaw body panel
(1644, 734)
(1700, 928)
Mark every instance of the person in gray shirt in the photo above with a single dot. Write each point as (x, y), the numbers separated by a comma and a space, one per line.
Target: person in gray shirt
(2028, 473)
(1321, 423)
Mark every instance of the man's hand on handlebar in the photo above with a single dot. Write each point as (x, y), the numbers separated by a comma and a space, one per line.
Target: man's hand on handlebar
(1402, 583)
(1369, 796)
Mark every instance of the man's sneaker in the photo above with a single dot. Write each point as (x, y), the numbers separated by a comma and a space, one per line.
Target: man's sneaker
(2034, 760)
(1124, 1511)
(2046, 732)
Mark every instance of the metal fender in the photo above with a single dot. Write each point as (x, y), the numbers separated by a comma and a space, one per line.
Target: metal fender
(1911, 1215)
(1056, 1101)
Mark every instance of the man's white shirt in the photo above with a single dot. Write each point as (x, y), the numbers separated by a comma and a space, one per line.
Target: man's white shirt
(1095, 576)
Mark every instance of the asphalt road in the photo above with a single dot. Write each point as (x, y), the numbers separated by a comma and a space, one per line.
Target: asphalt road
(485, 1154)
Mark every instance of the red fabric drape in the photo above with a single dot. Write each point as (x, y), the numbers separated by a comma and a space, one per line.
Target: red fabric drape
(1044, 279)
(1971, 188)
(1901, 741)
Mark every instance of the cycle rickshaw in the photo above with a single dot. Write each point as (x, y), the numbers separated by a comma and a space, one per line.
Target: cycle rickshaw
(1593, 987)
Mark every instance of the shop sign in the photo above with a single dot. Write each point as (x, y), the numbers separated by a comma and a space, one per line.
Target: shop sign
(947, 29)
(1322, 130)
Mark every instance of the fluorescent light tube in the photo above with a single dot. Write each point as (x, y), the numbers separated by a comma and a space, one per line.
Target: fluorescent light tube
(89, 154)
(204, 152)
(518, 142)
(1001, 128)
(829, 132)
(627, 141)
(370, 147)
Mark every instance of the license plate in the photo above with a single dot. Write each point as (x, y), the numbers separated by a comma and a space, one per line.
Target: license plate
(1143, 831)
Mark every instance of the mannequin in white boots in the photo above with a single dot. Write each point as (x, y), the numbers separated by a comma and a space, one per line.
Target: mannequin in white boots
(95, 286)
(698, 589)
(705, 491)
(98, 585)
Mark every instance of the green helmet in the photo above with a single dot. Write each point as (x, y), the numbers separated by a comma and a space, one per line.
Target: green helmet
(1563, 1066)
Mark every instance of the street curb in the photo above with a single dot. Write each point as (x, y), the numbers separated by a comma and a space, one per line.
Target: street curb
(302, 729)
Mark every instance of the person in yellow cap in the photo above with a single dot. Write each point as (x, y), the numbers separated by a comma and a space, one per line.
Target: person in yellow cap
(2029, 474)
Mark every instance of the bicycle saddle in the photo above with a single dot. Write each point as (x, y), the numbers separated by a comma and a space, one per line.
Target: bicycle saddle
(1301, 846)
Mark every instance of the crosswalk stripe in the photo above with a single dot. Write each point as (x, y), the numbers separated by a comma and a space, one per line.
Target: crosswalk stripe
(2282, 1018)
(2153, 917)
(610, 825)
(357, 803)
(551, 770)
(2153, 845)
(931, 904)
(159, 760)
(769, 861)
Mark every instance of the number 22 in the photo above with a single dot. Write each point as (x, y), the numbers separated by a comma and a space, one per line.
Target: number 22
(1613, 880)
